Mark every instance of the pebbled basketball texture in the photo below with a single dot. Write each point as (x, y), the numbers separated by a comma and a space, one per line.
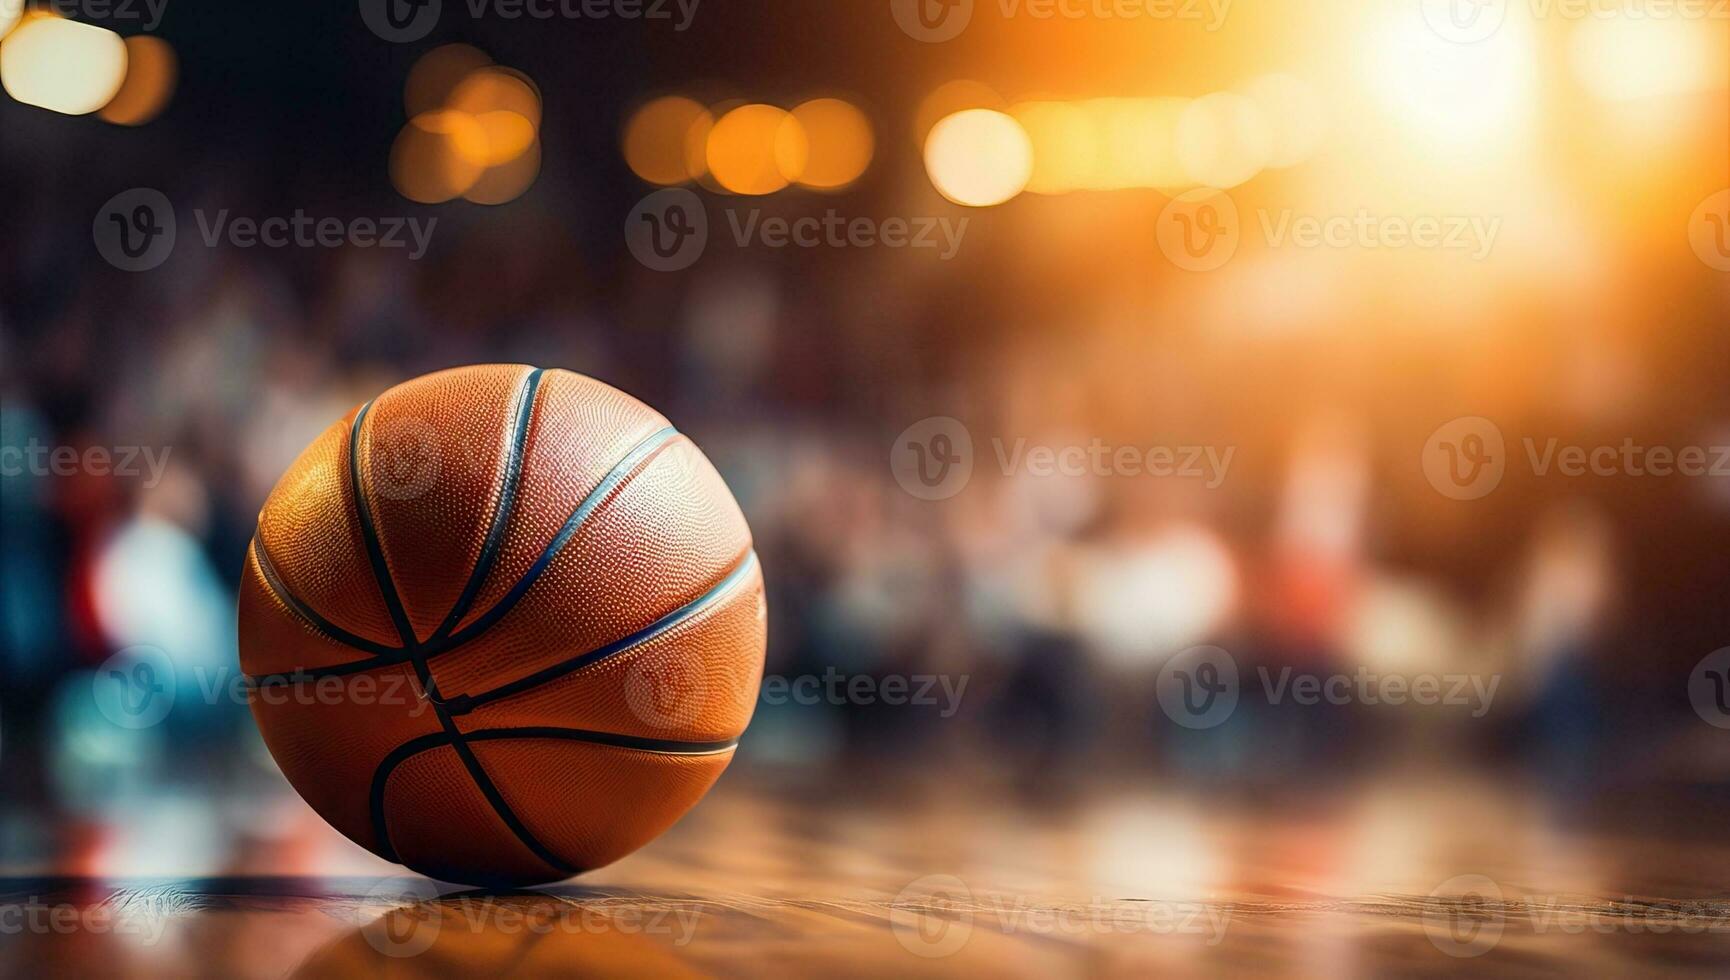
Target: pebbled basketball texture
(502, 624)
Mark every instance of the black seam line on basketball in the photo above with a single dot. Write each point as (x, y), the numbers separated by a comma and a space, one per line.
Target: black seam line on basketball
(381, 777)
(615, 477)
(369, 534)
(425, 743)
(513, 472)
(336, 634)
(478, 773)
(696, 607)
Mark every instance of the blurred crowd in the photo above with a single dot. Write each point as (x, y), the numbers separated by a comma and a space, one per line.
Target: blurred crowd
(1048, 604)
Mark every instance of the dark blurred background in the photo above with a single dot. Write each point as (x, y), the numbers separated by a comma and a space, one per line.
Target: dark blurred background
(1059, 320)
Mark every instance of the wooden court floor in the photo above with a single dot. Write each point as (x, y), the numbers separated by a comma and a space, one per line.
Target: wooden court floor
(1432, 878)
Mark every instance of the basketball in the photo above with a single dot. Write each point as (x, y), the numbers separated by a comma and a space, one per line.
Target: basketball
(502, 624)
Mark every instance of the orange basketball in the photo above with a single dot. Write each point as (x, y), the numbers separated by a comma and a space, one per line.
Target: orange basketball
(502, 624)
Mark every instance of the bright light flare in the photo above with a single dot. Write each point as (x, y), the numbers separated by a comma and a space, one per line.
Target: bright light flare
(1295, 116)
(1622, 59)
(1223, 139)
(979, 157)
(1454, 95)
(62, 65)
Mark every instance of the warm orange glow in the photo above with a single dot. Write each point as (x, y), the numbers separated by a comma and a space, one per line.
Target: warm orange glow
(757, 149)
(495, 88)
(1065, 145)
(1223, 140)
(509, 181)
(950, 98)
(437, 74)
(62, 65)
(151, 70)
(979, 157)
(1624, 59)
(666, 140)
(840, 142)
(1295, 116)
(432, 159)
(1138, 143)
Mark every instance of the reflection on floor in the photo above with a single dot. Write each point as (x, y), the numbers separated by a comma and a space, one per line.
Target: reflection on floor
(1440, 875)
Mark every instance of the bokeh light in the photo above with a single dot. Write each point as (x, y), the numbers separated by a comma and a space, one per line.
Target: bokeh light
(10, 12)
(1453, 95)
(507, 181)
(473, 132)
(151, 72)
(1295, 116)
(1066, 145)
(429, 162)
(948, 99)
(1138, 143)
(495, 88)
(1623, 59)
(62, 65)
(979, 157)
(1223, 140)
(666, 140)
(438, 73)
(840, 141)
(757, 149)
